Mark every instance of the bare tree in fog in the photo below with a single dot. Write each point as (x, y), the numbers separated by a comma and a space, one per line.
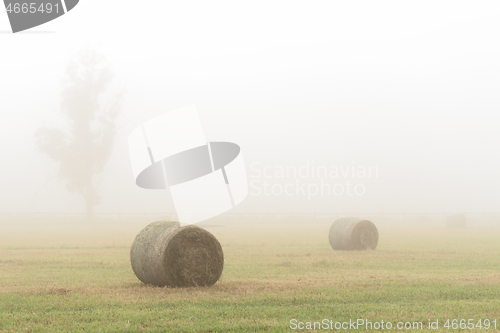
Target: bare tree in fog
(83, 147)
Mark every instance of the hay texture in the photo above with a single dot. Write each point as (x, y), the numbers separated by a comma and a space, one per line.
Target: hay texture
(351, 233)
(456, 221)
(166, 254)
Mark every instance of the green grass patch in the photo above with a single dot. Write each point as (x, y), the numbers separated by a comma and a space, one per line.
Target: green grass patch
(78, 279)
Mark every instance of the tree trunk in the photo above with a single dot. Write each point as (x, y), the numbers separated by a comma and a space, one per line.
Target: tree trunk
(89, 202)
(90, 210)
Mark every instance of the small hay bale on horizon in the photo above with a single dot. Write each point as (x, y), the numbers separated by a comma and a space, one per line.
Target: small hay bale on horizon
(351, 233)
(456, 221)
(166, 254)
(421, 219)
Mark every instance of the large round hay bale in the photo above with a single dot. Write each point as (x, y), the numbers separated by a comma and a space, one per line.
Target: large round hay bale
(351, 233)
(166, 254)
(456, 221)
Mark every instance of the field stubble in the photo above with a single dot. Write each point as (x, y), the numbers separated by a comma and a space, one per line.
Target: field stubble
(76, 276)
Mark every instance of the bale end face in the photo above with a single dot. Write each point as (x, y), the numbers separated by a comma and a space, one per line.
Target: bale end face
(165, 254)
(194, 257)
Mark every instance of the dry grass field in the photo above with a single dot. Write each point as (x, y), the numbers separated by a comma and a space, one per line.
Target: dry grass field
(75, 276)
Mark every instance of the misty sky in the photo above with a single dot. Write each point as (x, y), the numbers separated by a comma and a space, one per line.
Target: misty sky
(409, 88)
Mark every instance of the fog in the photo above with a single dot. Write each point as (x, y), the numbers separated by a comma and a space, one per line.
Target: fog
(398, 99)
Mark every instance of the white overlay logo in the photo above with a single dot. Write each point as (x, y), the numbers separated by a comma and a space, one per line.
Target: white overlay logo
(205, 179)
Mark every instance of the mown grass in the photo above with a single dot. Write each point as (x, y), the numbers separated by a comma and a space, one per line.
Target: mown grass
(71, 276)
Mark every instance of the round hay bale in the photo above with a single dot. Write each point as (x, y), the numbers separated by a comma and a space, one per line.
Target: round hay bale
(351, 233)
(166, 254)
(456, 221)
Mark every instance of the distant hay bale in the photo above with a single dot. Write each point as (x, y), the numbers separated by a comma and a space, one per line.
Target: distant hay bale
(421, 219)
(351, 233)
(166, 254)
(456, 221)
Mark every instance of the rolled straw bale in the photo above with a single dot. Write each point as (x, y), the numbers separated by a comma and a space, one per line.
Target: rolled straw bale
(166, 254)
(456, 221)
(351, 233)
